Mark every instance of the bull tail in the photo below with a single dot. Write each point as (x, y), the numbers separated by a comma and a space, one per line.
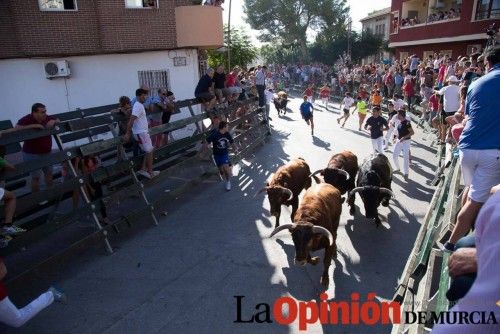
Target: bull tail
(316, 178)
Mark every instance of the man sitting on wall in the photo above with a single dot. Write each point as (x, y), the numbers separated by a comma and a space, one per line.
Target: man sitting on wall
(204, 91)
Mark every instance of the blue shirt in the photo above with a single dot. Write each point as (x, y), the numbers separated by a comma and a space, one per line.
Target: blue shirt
(306, 109)
(483, 108)
(398, 79)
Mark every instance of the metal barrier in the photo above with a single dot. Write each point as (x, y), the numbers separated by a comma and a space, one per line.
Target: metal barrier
(183, 163)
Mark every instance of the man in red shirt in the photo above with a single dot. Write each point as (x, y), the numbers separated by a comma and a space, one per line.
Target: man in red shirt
(38, 148)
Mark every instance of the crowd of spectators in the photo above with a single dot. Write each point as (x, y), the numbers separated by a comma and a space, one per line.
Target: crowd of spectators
(441, 15)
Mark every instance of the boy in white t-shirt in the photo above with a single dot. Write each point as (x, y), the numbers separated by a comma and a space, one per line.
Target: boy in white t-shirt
(347, 103)
(138, 125)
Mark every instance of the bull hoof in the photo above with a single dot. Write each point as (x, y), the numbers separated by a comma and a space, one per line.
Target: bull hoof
(314, 260)
(325, 281)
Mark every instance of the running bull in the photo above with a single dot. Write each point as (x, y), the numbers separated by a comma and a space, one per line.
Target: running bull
(341, 171)
(315, 227)
(286, 185)
(373, 185)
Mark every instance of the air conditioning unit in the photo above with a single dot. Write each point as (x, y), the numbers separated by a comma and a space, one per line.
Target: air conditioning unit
(57, 69)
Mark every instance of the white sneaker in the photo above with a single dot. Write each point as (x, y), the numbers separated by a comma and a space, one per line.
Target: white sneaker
(155, 173)
(228, 185)
(144, 173)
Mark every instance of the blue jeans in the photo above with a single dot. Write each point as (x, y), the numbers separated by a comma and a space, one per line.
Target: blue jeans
(460, 285)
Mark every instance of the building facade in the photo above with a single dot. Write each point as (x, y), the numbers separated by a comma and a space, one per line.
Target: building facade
(454, 27)
(110, 48)
(378, 23)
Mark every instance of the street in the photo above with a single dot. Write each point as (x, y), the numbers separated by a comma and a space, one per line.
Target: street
(183, 275)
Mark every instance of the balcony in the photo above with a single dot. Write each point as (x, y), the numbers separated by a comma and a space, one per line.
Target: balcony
(199, 27)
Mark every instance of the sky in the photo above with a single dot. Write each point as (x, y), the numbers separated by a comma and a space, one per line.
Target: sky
(359, 9)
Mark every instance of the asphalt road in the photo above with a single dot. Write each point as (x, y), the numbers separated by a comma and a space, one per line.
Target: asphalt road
(182, 276)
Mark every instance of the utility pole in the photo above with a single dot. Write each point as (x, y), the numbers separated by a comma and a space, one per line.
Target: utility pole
(229, 39)
(349, 27)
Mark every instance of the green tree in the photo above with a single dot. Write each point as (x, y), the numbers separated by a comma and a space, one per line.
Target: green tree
(242, 50)
(286, 22)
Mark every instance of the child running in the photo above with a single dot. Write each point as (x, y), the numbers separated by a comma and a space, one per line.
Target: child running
(347, 102)
(361, 108)
(324, 94)
(309, 93)
(377, 124)
(306, 110)
(220, 139)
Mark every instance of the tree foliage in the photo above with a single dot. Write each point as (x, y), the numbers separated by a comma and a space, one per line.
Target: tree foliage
(287, 22)
(242, 50)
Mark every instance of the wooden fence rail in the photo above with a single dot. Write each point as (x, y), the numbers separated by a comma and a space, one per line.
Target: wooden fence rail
(118, 174)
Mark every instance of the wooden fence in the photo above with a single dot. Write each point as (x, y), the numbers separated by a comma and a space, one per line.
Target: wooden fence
(182, 163)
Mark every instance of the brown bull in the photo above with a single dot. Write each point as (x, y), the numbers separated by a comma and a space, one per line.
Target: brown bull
(315, 226)
(341, 171)
(286, 185)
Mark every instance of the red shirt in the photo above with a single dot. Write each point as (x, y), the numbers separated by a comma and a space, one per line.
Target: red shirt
(41, 145)
(325, 92)
(231, 79)
(308, 92)
(434, 102)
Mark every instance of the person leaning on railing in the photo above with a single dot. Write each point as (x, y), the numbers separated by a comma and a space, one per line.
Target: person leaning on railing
(479, 145)
(38, 148)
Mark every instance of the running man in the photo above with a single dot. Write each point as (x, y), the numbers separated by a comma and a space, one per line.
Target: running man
(347, 102)
(377, 124)
(221, 139)
(309, 92)
(306, 110)
(405, 131)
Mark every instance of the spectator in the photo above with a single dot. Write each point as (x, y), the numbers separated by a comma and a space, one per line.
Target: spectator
(14, 317)
(451, 99)
(138, 125)
(483, 259)
(155, 112)
(219, 80)
(376, 124)
(479, 145)
(38, 148)
(204, 91)
(9, 200)
(398, 83)
(405, 132)
(269, 99)
(221, 139)
(168, 101)
(260, 82)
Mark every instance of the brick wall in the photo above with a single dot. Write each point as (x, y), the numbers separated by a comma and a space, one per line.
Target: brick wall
(98, 26)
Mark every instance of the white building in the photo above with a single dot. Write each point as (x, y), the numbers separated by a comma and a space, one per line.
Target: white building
(379, 23)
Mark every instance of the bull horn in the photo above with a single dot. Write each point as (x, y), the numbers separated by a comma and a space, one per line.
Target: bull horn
(260, 191)
(281, 228)
(289, 193)
(317, 172)
(325, 232)
(387, 191)
(345, 173)
(354, 191)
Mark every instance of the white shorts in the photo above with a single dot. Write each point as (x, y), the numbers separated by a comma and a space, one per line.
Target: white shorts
(481, 171)
(144, 141)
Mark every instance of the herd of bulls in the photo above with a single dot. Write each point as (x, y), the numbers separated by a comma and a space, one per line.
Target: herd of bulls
(316, 219)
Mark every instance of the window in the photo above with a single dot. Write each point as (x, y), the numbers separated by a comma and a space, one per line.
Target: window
(141, 3)
(473, 49)
(394, 22)
(446, 52)
(403, 56)
(56, 5)
(153, 80)
(487, 9)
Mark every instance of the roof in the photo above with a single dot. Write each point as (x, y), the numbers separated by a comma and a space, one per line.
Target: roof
(377, 13)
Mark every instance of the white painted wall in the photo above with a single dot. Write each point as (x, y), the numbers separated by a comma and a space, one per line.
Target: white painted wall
(95, 81)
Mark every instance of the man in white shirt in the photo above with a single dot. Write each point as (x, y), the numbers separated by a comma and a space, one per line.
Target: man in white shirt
(138, 125)
(451, 103)
(260, 82)
(398, 104)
